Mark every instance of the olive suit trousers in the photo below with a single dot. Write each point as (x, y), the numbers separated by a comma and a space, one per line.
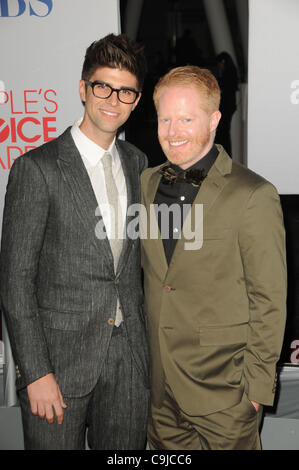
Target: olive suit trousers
(235, 428)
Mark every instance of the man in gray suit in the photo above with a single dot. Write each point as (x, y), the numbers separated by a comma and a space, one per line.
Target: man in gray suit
(70, 275)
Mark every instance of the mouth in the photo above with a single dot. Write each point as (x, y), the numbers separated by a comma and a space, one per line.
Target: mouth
(177, 143)
(109, 114)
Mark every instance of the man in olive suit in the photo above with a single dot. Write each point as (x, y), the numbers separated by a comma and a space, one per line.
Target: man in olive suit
(215, 303)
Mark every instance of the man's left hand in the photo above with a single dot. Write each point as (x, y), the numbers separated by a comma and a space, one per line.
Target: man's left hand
(256, 405)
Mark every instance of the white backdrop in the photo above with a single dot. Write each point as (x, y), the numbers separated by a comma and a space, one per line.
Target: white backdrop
(273, 92)
(43, 44)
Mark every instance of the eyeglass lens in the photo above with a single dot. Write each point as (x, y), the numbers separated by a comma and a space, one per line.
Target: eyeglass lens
(125, 95)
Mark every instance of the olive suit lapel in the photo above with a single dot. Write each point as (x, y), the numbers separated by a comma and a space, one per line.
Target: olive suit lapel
(152, 232)
(208, 194)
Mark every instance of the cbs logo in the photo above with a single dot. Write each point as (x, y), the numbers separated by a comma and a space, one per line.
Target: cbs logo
(13, 8)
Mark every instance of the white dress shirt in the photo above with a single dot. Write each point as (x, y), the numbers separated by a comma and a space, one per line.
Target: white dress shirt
(91, 154)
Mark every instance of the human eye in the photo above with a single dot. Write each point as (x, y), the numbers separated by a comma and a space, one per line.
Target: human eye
(127, 92)
(101, 85)
(101, 89)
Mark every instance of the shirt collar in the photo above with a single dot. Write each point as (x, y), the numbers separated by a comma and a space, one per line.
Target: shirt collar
(92, 152)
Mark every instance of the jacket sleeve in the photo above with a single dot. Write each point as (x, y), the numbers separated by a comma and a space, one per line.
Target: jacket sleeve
(262, 244)
(24, 221)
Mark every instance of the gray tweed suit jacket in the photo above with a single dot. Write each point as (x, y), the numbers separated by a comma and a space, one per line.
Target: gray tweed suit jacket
(57, 282)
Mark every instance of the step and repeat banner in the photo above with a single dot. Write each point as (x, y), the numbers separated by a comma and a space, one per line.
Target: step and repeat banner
(273, 128)
(43, 44)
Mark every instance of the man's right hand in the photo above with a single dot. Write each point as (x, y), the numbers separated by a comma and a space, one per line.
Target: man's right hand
(45, 398)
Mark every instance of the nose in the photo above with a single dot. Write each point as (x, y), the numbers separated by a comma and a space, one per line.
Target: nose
(113, 99)
(172, 128)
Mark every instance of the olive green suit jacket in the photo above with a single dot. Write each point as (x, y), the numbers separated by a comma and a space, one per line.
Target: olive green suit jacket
(216, 314)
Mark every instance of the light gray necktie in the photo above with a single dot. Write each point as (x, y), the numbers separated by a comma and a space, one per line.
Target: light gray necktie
(116, 243)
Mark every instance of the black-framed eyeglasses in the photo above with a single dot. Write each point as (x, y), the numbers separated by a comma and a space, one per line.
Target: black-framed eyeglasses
(103, 90)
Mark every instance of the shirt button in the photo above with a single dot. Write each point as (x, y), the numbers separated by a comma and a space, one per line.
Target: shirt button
(110, 321)
(167, 288)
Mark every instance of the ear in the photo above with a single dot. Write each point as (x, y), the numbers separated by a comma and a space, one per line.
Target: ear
(214, 120)
(137, 101)
(82, 90)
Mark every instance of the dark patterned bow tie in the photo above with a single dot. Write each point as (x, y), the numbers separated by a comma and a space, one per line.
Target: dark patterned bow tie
(193, 176)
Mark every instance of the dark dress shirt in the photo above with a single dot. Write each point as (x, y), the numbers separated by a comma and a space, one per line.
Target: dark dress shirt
(181, 194)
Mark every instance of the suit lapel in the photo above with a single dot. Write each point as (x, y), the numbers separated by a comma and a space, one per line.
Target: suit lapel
(151, 218)
(75, 175)
(128, 162)
(208, 194)
(215, 181)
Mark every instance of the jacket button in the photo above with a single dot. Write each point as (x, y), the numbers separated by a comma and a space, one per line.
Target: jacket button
(18, 373)
(167, 288)
(110, 321)
(116, 281)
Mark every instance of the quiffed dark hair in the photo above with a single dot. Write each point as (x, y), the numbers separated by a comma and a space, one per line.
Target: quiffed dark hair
(116, 52)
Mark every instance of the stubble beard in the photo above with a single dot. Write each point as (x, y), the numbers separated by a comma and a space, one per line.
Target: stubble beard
(179, 158)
